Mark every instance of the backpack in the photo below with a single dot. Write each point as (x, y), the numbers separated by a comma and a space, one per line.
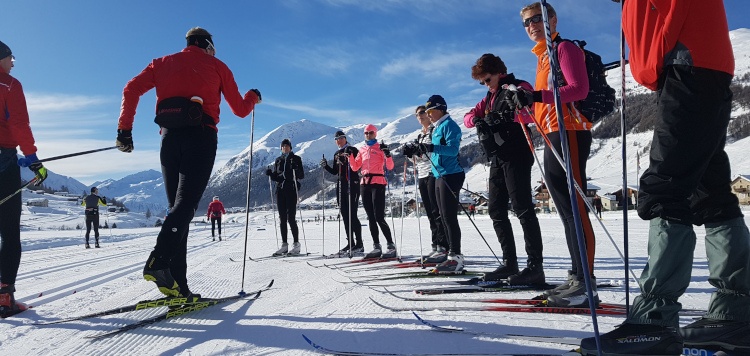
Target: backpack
(600, 101)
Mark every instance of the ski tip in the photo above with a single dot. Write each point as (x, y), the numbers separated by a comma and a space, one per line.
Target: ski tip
(271, 284)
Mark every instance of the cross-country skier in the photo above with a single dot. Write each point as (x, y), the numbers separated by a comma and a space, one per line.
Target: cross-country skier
(427, 189)
(347, 181)
(215, 210)
(504, 142)
(188, 141)
(449, 177)
(92, 203)
(286, 169)
(14, 132)
(682, 50)
(578, 132)
(372, 160)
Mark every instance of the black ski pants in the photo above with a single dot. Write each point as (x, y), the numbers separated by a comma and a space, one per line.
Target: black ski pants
(579, 143)
(511, 180)
(286, 202)
(373, 200)
(92, 220)
(689, 175)
(10, 216)
(215, 221)
(429, 199)
(187, 158)
(346, 209)
(446, 193)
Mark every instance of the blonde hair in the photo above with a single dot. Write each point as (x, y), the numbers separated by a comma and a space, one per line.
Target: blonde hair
(538, 6)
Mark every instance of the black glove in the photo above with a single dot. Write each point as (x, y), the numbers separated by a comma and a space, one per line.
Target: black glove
(323, 162)
(269, 172)
(481, 124)
(385, 149)
(124, 141)
(257, 92)
(104, 200)
(427, 147)
(39, 172)
(522, 98)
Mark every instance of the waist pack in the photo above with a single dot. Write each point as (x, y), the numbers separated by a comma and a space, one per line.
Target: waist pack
(600, 100)
(178, 112)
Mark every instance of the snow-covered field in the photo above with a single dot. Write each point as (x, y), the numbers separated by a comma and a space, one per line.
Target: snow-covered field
(61, 279)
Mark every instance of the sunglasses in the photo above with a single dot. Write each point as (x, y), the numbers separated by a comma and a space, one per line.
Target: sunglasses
(339, 138)
(210, 46)
(369, 132)
(485, 80)
(421, 112)
(533, 19)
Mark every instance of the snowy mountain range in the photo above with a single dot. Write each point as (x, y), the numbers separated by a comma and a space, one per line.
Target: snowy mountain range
(312, 140)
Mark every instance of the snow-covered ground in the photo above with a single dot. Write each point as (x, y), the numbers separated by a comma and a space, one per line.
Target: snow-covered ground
(61, 279)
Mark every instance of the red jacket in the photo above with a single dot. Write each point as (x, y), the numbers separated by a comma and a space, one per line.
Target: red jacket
(14, 117)
(372, 161)
(215, 208)
(694, 30)
(188, 73)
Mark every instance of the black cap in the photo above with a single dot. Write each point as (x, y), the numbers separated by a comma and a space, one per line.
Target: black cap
(4, 50)
(339, 134)
(436, 102)
(286, 142)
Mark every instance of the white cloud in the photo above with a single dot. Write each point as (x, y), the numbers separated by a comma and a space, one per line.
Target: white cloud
(40, 103)
(330, 59)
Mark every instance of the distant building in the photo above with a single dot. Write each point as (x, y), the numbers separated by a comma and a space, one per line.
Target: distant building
(615, 201)
(741, 188)
(41, 202)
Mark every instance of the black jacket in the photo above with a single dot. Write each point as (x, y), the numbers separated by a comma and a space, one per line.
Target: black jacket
(342, 168)
(285, 169)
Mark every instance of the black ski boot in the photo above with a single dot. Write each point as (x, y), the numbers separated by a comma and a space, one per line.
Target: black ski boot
(636, 339)
(157, 271)
(505, 270)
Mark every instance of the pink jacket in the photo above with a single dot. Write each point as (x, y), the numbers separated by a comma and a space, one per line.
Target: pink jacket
(372, 160)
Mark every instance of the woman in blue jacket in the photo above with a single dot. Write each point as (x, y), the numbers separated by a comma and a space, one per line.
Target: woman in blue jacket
(449, 175)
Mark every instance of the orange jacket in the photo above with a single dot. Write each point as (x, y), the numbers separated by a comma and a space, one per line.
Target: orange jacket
(186, 74)
(14, 116)
(666, 32)
(573, 66)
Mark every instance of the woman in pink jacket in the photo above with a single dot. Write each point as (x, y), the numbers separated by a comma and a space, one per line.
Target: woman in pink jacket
(373, 159)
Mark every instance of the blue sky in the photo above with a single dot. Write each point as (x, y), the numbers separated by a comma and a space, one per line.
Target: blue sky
(340, 62)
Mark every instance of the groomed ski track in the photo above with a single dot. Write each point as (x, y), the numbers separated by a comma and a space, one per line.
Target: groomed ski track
(63, 279)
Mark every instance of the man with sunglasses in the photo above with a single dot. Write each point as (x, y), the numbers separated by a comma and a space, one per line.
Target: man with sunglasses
(505, 144)
(574, 87)
(191, 82)
(14, 132)
(347, 193)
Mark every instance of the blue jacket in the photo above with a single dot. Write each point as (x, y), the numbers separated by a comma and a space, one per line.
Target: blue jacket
(447, 139)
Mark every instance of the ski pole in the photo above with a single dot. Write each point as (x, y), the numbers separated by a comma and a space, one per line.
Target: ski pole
(416, 207)
(554, 63)
(247, 201)
(76, 154)
(403, 194)
(323, 175)
(18, 191)
(301, 219)
(350, 238)
(275, 227)
(623, 123)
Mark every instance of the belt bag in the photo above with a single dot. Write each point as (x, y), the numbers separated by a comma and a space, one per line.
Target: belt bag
(178, 112)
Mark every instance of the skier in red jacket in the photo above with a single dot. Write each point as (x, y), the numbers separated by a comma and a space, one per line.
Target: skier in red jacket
(215, 209)
(189, 85)
(14, 132)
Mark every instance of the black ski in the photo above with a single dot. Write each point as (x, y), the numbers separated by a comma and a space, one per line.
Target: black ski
(500, 286)
(326, 350)
(548, 339)
(172, 314)
(146, 304)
